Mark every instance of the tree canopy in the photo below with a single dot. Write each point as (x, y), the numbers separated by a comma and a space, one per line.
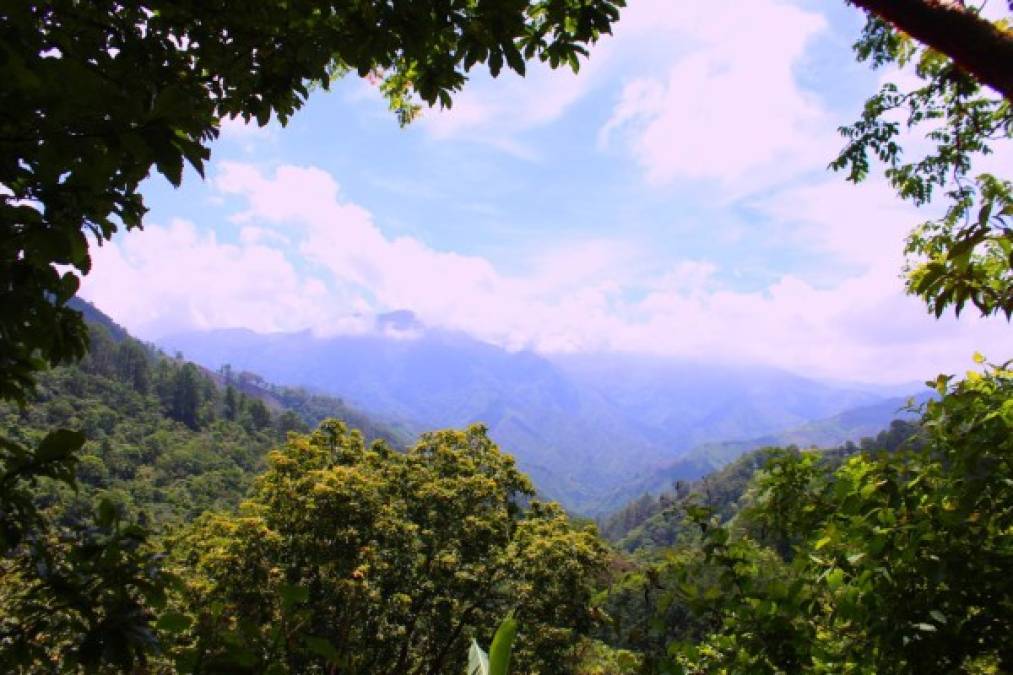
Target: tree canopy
(368, 560)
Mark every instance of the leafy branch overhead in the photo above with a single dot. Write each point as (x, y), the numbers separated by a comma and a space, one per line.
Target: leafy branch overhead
(98, 94)
(967, 255)
(982, 49)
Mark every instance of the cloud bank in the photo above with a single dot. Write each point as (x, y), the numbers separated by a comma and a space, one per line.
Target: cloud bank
(586, 297)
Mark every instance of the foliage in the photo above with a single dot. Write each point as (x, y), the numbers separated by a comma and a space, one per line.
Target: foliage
(652, 524)
(372, 560)
(80, 593)
(81, 581)
(75, 589)
(967, 255)
(895, 562)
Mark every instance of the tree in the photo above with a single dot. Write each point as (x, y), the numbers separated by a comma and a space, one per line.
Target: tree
(366, 560)
(290, 421)
(967, 255)
(132, 363)
(97, 94)
(231, 404)
(258, 415)
(186, 396)
(894, 563)
(981, 49)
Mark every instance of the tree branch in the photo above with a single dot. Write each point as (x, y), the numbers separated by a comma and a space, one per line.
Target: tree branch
(976, 45)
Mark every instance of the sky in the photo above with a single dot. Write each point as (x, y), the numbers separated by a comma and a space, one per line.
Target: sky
(672, 198)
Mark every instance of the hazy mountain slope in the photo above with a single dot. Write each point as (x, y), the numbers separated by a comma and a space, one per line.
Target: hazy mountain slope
(684, 404)
(650, 523)
(848, 426)
(568, 439)
(583, 427)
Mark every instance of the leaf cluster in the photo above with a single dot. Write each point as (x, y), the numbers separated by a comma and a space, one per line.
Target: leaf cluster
(967, 255)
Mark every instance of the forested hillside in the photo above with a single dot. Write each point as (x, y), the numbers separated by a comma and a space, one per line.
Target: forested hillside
(357, 546)
(655, 522)
(890, 556)
(849, 427)
(165, 437)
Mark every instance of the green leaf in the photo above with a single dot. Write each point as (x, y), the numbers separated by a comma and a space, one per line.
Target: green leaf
(174, 622)
(292, 594)
(59, 445)
(502, 643)
(106, 513)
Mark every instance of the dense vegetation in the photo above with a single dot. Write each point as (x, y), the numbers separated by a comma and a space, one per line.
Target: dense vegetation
(885, 560)
(367, 557)
(164, 434)
(653, 522)
(378, 561)
(398, 557)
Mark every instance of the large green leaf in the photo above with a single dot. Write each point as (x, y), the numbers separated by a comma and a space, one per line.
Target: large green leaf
(502, 643)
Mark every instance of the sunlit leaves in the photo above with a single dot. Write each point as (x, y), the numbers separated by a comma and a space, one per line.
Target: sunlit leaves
(967, 257)
(902, 565)
(373, 560)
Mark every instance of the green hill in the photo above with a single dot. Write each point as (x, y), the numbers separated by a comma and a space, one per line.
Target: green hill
(167, 438)
(652, 523)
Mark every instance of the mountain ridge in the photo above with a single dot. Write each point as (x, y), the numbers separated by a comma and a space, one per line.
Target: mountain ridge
(582, 426)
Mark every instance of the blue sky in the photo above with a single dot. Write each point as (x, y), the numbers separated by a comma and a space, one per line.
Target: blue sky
(672, 198)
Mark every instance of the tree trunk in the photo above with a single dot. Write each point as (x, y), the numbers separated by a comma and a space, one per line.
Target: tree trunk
(975, 44)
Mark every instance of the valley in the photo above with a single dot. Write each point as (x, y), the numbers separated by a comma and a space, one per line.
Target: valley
(593, 431)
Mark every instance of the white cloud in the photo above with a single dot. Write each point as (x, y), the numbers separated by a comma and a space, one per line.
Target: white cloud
(862, 225)
(174, 277)
(727, 106)
(495, 111)
(590, 296)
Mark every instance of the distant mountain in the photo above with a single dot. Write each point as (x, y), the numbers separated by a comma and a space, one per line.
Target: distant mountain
(850, 426)
(685, 404)
(582, 427)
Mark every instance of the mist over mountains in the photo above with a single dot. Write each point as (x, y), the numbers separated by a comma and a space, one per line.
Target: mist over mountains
(591, 430)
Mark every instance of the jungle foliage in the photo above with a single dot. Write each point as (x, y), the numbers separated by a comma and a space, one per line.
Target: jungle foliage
(875, 561)
(345, 554)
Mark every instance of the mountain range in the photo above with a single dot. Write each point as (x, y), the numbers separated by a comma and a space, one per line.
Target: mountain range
(592, 430)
